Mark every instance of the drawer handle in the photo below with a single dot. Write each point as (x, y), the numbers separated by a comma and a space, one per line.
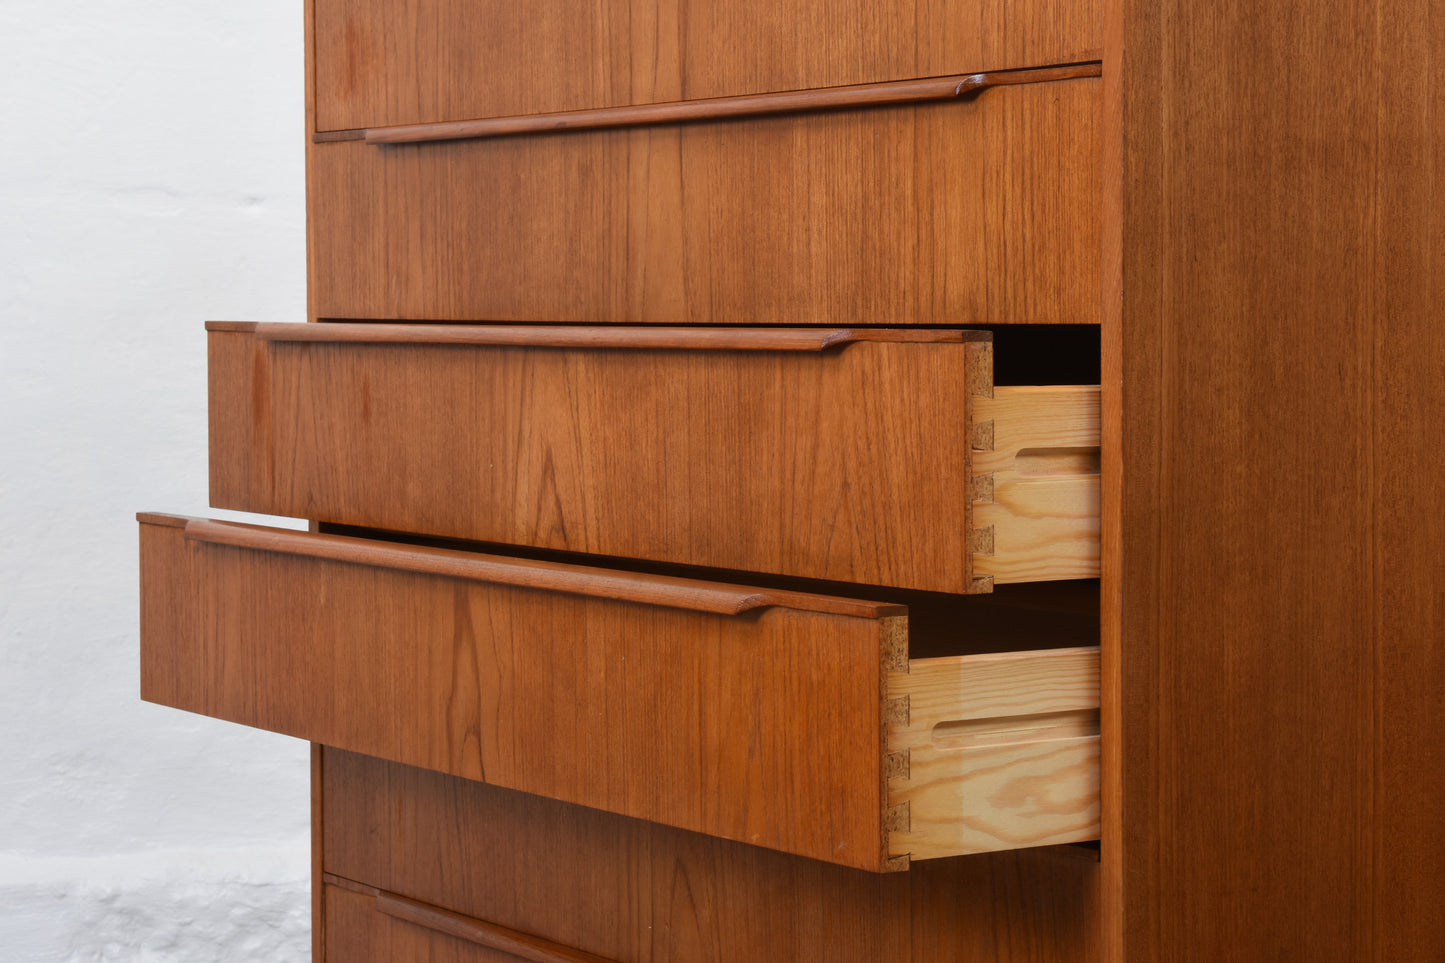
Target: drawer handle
(723, 108)
(1012, 730)
(598, 336)
(693, 595)
(524, 946)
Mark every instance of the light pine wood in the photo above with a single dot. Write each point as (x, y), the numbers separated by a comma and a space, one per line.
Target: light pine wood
(993, 752)
(636, 891)
(718, 108)
(381, 62)
(1035, 465)
(821, 464)
(981, 211)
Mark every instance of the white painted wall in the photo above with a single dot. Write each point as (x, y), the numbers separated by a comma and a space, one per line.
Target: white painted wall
(150, 178)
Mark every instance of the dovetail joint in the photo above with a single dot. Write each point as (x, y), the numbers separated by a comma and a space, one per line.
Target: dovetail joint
(980, 369)
(982, 541)
(981, 488)
(980, 436)
(895, 644)
(896, 712)
(897, 819)
(897, 765)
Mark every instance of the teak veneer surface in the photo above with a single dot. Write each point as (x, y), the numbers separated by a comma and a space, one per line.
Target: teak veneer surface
(755, 726)
(370, 925)
(636, 891)
(849, 464)
(719, 108)
(979, 211)
(1281, 754)
(384, 62)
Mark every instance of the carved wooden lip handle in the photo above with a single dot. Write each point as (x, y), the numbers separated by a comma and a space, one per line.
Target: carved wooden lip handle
(719, 598)
(524, 946)
(590, 336)
(717, 108)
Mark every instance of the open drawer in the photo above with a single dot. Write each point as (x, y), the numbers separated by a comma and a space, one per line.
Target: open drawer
(787, 720)
(867, 455)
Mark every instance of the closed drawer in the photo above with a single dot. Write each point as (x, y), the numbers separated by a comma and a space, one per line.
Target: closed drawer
(858, 455)
(782, 719)
(636, 891)
(382, 62)
(981, 210)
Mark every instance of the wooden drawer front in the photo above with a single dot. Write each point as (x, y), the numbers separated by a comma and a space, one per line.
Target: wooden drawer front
(754, 715)
(636, 891)
(813, 453)
(381, 62)
(974, 211)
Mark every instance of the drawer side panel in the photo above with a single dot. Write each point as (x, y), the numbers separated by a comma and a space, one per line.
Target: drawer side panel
(1002, 752)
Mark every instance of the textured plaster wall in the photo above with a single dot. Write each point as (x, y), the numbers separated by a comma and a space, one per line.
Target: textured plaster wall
(151, 177)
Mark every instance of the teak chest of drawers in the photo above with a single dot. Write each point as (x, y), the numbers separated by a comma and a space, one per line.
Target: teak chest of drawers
(783, 476)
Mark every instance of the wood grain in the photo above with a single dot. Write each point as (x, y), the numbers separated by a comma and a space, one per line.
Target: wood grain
(762, 727)
(383, 63)
(575, 336)
(720, 108)
(998, 751)
(361, 934)
(1035, 464)
(831, 465)
(641, 892)
(1283, 249)
(580, 580)
(970, 212)
(522, 946)
(1408, 486)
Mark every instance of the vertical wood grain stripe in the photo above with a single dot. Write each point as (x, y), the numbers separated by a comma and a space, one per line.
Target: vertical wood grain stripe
(524, 946)
(724, 108)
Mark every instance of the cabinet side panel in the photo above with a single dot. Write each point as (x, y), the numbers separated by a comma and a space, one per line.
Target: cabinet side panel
(1281, 504)
(1409, 442)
